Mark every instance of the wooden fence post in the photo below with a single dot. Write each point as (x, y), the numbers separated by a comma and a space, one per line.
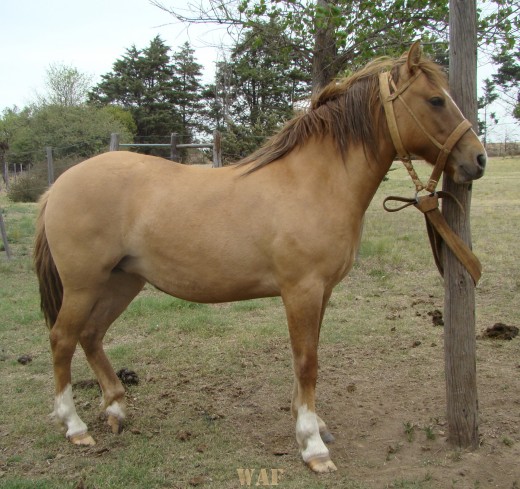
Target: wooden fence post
(5, 167)
(459, 290)
(217, 149)
(4, 236)
(114, 142)
(174, 152)
(50, 165)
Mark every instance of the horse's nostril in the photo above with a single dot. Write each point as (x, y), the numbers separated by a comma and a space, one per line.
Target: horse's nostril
(482, 160)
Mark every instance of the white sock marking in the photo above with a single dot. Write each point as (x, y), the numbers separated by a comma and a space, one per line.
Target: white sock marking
(308, 435)
(65, 411)
(115, 409)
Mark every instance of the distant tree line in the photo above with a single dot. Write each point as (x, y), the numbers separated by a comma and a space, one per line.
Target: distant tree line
(282, 52)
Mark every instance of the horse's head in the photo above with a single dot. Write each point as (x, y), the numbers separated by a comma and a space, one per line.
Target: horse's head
(424, 120)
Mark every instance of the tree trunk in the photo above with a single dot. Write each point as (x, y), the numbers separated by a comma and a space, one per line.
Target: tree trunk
(323, 69)
(459, 299)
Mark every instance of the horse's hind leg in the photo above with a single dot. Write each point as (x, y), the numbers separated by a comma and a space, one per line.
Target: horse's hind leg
(85, 316)
(117, 293)
(64, 336)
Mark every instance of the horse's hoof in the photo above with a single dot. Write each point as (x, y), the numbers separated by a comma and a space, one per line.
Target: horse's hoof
(327, 436)
(322, 465)
(115, 423)
(83, 439)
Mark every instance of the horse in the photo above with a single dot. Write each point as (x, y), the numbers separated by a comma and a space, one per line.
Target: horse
(285, 221)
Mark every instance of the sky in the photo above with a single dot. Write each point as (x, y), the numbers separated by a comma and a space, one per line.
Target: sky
(91, 35)
(88, 35)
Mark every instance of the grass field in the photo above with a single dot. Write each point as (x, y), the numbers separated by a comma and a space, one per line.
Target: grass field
(216, 380)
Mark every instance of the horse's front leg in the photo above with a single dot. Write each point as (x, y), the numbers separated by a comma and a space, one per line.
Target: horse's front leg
(304, 305)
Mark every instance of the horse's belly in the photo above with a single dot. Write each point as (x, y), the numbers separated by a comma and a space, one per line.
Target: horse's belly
(207, 281)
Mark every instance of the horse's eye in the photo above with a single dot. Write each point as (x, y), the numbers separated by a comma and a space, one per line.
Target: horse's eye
(437, 101)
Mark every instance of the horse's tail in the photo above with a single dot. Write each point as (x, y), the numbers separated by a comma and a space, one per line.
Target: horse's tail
(51, 287)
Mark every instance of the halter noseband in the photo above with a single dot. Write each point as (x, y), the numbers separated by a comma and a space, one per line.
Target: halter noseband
(388, 98)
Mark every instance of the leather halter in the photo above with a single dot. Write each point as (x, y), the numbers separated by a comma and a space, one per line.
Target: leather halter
(388, 98)
(436, 225)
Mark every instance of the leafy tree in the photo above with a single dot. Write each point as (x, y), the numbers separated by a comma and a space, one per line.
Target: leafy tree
(15, 134)
(268, 78)
(66, 86)
(163, 93)
(499, 26)
(508, 79)
(256, 89)
(334, 35)
(74, 132)
(79, 130)
(329, 36)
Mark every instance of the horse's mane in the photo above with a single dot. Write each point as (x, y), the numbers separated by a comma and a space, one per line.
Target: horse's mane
(348, 109)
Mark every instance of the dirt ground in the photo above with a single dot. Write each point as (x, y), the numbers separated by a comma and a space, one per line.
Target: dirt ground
(383, 399)
(390, 425)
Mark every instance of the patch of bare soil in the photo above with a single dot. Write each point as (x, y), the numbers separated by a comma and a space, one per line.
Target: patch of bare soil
(385, 406)
(393, 427)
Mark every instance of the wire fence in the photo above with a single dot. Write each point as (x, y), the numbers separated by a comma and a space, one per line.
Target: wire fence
(25, 182)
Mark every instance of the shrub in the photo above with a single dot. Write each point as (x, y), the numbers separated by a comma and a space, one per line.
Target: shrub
(27, 187)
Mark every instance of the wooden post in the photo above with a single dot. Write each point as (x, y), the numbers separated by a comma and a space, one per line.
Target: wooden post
(174, 152)
(217, 149)
(114, 142)
(50, 165)
(459, 298)
(4, 236)
(4, 165)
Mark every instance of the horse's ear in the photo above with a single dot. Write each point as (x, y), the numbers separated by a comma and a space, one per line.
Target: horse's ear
(414, 57)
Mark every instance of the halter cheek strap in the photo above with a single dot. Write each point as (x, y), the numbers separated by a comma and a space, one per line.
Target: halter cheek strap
(388, 103)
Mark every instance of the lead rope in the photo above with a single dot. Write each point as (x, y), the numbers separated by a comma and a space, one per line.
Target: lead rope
(438, 230)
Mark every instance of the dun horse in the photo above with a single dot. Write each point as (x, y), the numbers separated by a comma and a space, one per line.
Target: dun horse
(285, 222)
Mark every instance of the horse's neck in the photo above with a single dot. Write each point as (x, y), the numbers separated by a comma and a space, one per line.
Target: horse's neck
(355, 177)
(366, 173)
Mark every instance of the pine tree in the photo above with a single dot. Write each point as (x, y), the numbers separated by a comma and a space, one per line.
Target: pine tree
(142, 82)
(187, 94)
(256, 90)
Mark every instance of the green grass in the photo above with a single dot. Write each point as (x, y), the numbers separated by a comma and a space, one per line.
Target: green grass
(223, 372)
